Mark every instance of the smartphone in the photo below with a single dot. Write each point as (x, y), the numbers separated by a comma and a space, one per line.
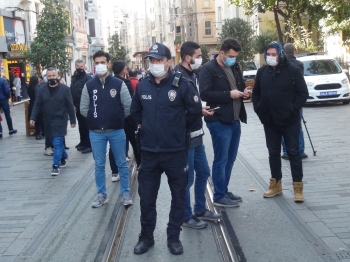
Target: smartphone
(213, 109)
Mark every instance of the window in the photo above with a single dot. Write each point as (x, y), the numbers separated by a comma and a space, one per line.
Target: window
(37, 11)
(206, 3)
(190, 31)
(154, 39)
(207, 25)
(321, 67)
(92, 27)
(219, 16)
(178, 29)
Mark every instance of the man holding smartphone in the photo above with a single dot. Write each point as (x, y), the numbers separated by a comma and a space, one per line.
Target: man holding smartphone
(191, 56)
(221, 85)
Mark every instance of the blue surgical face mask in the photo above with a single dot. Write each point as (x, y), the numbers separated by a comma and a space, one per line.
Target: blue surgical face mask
(230, 61)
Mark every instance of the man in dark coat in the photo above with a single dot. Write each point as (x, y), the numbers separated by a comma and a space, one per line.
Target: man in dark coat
(55, 102)
(79, 79)
(279, 93)
(289, 50)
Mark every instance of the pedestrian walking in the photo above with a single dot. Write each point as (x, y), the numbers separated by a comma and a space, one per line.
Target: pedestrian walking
(55, 102)
(164, 105)
(31, 90)
(5, 94)
(191, 60)
(79, 79)
(105, 102)
(133, 78)
(222, 86)
(289, 50)
(17, 87)
(279, 93)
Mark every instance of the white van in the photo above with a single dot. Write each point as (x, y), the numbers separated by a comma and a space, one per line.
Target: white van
(325, 79)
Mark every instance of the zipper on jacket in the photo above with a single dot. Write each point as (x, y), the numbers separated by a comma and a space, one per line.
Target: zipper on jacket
(157, 120)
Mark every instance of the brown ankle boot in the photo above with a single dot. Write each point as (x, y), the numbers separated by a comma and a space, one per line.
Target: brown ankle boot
(275, 189)
(298, 192)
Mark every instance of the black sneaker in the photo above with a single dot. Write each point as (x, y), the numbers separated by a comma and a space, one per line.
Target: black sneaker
(55, 171)
(175, 246)
(195, 223)
(145, 242)
(208, 216)
(285, 157)
(303, 156)
(63, 162)
(233, 197)
(13, 131)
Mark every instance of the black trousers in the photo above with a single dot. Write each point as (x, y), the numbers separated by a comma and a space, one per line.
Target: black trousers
(129, 129)
(273, 134)
(83, 130)
(174, 164)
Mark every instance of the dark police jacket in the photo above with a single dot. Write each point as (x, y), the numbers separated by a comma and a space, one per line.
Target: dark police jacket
(215, 89)
(105, 105)
(279, 94)
(165, 112)
(197, 132)
(76, 87)
(55, 109)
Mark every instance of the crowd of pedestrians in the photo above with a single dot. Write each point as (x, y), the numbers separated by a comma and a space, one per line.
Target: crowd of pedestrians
(165, 109)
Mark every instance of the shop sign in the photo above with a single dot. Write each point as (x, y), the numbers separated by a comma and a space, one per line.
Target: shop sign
(69, 50)
(81, 40)
(15, 35)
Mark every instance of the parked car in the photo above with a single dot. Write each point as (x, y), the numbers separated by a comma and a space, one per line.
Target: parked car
(325, 79)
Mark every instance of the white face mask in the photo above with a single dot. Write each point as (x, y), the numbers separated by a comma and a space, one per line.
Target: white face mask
(101, 69)
(271, 60)
(197, 63)
(157, 70)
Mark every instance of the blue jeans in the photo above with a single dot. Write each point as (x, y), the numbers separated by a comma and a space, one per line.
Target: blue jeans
(225, 139)
(59, 151)
(273, 134)
(197, 161)
(301, 139)
(4, 104)
(99, 140)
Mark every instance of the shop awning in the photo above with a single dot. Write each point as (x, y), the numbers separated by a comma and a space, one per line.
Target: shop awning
(3, 45)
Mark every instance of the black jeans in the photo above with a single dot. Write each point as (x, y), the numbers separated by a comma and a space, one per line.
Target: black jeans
(129, 130)
(273, 134)
(83, 130)
(174, 164)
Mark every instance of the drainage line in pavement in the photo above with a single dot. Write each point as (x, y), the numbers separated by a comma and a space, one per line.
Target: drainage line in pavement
(315, 243)
(110, 246)
(228, 242)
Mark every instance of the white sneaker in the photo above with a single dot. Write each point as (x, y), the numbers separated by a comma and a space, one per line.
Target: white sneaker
(115, 177)
(48, 152)
(128, 159)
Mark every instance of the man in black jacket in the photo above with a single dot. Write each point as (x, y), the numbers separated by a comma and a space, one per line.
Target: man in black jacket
(165, 109)
(279, 93)
(55, 102)
(191, 60)
(289, 50)
(221, 85)
(79, 79)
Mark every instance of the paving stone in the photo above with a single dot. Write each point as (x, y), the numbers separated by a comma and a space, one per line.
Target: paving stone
(321, 229)
(16, 247)
(335, 244)
(307, 215)
(343, 235)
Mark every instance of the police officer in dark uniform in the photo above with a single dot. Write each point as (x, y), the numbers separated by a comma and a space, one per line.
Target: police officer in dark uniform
(79, 79)
(164, 105)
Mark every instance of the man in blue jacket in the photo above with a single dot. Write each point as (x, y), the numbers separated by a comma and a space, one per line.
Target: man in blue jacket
(279, 93)
(164, 106)
(221, 85)
(4, 104)
(105, 102)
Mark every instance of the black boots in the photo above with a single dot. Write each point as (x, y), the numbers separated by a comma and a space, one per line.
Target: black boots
(145, 242)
